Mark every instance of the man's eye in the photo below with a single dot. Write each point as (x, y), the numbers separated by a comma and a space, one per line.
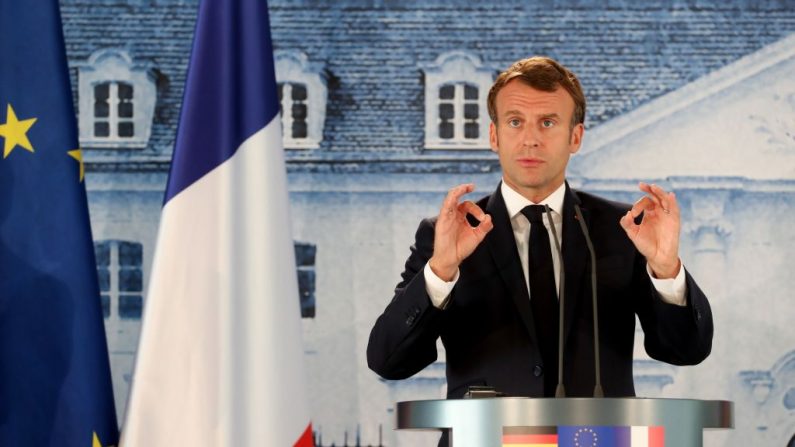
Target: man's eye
(514, 123)
(547, 123)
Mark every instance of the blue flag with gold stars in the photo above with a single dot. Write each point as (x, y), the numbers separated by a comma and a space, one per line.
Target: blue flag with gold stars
(55, 386)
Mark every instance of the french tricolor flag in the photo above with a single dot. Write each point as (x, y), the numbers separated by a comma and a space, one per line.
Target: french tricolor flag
(220, 358)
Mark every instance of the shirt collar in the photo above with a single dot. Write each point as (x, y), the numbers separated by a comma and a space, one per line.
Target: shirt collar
(515, 202)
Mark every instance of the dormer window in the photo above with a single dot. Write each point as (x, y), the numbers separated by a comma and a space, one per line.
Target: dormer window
(116, 101)
(302, 95)
(456, 89)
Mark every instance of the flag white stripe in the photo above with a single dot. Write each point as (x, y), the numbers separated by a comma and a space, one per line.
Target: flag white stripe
(639, 437)
(220, 359)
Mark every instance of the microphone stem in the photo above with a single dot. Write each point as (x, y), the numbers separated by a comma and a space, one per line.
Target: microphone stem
(597, 392)
(560, 389)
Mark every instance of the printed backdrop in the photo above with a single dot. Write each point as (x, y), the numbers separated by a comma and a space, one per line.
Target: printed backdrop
(383, 109)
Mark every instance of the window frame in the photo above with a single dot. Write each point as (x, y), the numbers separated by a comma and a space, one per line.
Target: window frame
(115, 67)
(457, 68)
(114, 270)
(293, 67)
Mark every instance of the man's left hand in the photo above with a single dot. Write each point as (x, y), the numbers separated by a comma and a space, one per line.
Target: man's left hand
(657, 236)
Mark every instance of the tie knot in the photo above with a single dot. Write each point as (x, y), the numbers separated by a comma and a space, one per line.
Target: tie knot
(534, 213)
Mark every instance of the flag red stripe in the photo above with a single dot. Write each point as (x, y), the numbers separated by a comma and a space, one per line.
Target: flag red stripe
(656, 436)
(306, 439)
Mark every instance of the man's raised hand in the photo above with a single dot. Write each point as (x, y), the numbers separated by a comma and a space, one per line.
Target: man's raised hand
(454, 238)
(657, 236)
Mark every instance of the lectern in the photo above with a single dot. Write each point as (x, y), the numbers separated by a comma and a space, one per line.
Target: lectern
(481, 422)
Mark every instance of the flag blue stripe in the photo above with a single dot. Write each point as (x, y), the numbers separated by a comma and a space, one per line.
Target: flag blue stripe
(55, 386)
(229, 92)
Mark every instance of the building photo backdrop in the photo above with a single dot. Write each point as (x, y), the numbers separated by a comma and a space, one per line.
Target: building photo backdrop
(384, 109)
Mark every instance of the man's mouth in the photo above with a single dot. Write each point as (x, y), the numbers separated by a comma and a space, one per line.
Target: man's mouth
(529, 162)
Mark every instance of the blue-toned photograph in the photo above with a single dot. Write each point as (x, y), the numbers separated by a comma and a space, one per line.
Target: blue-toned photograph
(289, 216)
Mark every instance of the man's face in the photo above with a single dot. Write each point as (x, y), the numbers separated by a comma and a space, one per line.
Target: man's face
(533, 138)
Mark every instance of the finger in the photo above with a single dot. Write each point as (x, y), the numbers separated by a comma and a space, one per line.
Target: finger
(484, 227)
(657, 190)
(450, 202)
(644, 204)
(672, 203)
(469, 207)
(668, 201)
(461, 213)
(651, 193)
(627, 222)
(455, 194)
(662, 195)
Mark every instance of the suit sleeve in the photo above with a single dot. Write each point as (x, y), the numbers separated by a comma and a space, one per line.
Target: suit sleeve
(403, 339)
(680, 335)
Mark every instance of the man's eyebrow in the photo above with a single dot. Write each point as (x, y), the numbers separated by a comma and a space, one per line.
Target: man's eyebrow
(550, 115)
(542, 116)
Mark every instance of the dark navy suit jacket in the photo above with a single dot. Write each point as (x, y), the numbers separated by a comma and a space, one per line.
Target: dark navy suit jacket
(488, 329)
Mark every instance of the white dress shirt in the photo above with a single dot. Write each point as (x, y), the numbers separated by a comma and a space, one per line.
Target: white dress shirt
(671, 290)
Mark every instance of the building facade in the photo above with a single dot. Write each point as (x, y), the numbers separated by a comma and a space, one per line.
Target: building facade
(383, 109)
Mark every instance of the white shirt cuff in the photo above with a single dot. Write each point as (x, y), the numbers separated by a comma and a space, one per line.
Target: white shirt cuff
(437, 288)
(673, 290)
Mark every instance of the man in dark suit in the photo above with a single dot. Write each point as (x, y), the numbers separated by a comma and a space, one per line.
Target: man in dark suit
(483, 276)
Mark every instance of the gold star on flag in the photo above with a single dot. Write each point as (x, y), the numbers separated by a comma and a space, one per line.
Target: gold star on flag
(15, 132)
(77, 154)
(95, 441)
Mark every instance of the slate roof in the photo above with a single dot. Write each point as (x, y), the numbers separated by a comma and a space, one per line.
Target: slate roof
(626, 54)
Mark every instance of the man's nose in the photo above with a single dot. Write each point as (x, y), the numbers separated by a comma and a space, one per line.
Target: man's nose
(531, 137)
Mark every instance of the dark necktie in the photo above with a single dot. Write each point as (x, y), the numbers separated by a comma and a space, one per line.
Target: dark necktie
(543, 298)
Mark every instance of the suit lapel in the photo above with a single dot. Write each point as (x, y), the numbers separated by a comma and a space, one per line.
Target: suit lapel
(575, 254)
(502, 246)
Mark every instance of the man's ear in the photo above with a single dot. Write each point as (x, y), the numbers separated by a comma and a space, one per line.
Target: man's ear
(575, 140)
(493, 137)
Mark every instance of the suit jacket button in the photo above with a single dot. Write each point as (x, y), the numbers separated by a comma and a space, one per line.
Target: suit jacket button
(538, 370)
(410, 320)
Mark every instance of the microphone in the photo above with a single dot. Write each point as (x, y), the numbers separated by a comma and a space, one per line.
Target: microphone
(560, 390)
(597, 391)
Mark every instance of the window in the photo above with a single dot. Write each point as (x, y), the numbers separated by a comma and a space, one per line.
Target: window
(456, 89)
(459, 112)
(119, 267)
(292, 98)
(113, 110)
(303, 96)
(116, 101)
(305, 263)
(120, 272)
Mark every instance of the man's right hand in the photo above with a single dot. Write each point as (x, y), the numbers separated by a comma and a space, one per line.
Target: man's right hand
(454, 238)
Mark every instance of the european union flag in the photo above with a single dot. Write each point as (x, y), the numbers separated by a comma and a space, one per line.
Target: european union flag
(55, 387)
(594, 436)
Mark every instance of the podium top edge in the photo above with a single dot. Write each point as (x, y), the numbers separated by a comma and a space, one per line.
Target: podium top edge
(440, 413)
(573, 399)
